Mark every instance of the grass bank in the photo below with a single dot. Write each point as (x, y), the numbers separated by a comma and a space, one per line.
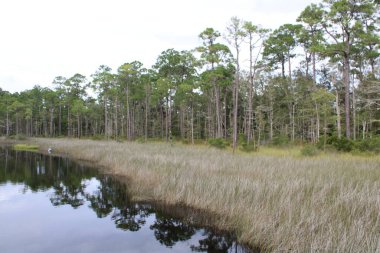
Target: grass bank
(25, 147)
(278, 201)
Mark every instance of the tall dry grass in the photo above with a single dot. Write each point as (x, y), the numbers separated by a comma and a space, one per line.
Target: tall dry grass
(281, 203)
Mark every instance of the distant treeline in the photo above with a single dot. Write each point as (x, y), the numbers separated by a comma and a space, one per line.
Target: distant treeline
(319, 77)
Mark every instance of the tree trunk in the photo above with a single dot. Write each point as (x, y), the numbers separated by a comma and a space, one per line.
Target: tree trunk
(78, 125)
(146, 118)
(225, 134)
(192, 124)
(339, 128)
(346, 81)
(311, 130)
(235, 111)
(290, 68)
(182, 121)
(167, 120)
(270, 120)
(219, 132)
(162, 122)
(68, 122)
(170, 118)
(260, 118)
(105, 117)
(283, 68)
(250, 92)
(60, 119)
(86, 126)
(307, 63)
(236, 97)
(128, 115)
(45, 124)
(317, 121)
(209, 120)
(364, 124)
(324, 131)
(133, 120)
(354, 113)
(293, 121)
(116, 118)
(122, 122)
(314, 68)
(17, 124)
(51, 122)
(31, 126)
(7, 127)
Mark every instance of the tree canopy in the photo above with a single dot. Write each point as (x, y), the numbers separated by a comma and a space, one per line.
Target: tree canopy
(298, 78)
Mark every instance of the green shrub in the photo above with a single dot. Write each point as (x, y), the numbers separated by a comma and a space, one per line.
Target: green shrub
(368, 145)
(244, 146)
(186, 141)
(280, 140)
(218, 143)
(140, 140)
(19, 137)
(310, 150)
(248, 147)
(241, 138)
(97, 137)
(199, 141)
(343, 144)
(371, 145)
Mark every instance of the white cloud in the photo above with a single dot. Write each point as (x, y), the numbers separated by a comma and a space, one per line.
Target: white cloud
(42, 39)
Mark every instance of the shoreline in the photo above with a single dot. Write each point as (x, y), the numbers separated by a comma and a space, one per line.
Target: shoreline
(274, 203)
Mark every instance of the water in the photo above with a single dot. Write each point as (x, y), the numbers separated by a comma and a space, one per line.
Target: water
(50, 204)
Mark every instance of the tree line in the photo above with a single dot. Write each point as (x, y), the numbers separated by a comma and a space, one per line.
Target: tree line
(300, 82)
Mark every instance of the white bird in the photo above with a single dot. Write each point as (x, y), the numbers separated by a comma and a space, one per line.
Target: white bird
(50, 150)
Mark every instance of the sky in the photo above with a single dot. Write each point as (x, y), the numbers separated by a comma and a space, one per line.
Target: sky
(42, 39)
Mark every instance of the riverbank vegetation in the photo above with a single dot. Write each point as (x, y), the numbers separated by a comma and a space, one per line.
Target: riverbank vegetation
(25, 147)
(275, 199)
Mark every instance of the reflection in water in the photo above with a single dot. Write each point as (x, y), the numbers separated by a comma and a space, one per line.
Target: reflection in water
(71, 184)
(214, 243)
(168, 231)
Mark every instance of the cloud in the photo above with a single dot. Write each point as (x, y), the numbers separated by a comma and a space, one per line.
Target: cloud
(41, 39)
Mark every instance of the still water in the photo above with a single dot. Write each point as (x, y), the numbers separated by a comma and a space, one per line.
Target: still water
(50, 204)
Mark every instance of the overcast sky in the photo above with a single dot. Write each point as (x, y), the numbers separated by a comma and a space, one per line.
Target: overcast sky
(42, 39)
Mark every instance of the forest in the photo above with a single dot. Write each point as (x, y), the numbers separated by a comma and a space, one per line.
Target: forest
(247, 86)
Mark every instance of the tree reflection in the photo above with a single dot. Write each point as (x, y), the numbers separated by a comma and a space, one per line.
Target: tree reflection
(169, 231)
(40, 173)
(68, 180)
(72, 195)
(111, 197)
(218, 243)
(101, 201)
(69, 185)
(130, 218)
(213, 243)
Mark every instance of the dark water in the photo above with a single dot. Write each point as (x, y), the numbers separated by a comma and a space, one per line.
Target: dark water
(50, 204)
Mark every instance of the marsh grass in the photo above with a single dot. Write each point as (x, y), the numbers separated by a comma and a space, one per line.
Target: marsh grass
(277, 200)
